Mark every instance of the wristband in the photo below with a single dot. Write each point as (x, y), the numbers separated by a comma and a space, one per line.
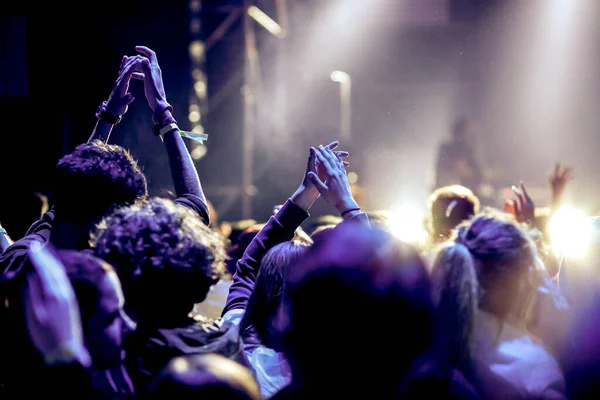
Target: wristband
(3, 231)
(102, 114)
(350, 210)
(160, 130)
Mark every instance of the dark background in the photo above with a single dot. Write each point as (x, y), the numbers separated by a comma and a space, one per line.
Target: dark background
(411, 77)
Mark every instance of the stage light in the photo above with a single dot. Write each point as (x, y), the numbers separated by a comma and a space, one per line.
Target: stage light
(407, 224)
(265, 21)
(200, 88)
(196, 50)
(198, 152)
(340, 77)
(194, 116)
(352, 177)
(570, 232)
(198, 129)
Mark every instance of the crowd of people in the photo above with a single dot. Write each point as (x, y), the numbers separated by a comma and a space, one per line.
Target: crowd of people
(113, 294)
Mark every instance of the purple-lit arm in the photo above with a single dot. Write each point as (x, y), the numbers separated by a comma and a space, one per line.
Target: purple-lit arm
(183, 170)
(279, 229)
(118, 101)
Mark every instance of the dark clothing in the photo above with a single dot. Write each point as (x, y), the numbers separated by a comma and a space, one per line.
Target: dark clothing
(19, 360)
(452, 159)
(280, 228)
(149, 349)
(12, 260)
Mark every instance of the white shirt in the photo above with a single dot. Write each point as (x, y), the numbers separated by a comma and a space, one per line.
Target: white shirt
(271, 369)
(511, 364)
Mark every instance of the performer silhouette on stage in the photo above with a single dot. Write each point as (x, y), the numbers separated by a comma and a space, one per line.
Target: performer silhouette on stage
(457, 164)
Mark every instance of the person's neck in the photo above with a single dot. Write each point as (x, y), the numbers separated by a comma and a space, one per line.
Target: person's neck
(70, 236)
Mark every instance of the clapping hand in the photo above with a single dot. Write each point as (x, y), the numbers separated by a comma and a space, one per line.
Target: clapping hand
(52, 311)
(149, 71)
(308, 193)
(120, 98)
(335, 188)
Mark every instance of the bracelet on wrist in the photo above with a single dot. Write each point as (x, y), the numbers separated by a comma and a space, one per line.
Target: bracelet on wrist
(102, 114)
(162, 129)
(350, 210)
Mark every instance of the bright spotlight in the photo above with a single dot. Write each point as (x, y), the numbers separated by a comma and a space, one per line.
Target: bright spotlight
(340, 76)
(407, 224)
(570, 232)
(265, 21)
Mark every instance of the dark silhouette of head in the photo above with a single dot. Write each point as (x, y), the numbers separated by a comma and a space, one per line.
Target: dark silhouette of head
(349, 282)
(204, 376)
(258, 322)
(449, 206)
(93, 179)
(166, 258)
(100, 299)
(238, 247)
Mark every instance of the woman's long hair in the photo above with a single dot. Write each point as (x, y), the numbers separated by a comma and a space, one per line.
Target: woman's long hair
(264, 302)
(455, 292)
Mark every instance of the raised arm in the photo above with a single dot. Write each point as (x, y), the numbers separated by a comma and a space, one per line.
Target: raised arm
(335, 188)
(110, 112)
(183, 170)
(280, 228)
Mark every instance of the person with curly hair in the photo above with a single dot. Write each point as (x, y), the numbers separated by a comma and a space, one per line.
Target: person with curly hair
(167, 259)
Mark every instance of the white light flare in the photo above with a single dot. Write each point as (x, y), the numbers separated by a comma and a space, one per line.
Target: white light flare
(407, 224)
(570, 232)
(340, 77)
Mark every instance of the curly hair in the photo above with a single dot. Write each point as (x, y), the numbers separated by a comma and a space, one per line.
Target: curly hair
(162, 252)
(93, 179)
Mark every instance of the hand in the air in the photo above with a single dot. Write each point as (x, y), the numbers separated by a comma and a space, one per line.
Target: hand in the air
(151, 74)
(522, 207)
(120, 98)
(335, 187)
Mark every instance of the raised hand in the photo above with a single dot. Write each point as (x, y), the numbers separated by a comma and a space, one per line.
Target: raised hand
(308, 193)
(52, 311)
(523, 206)
(335, 188)
(120, 98)
(558, 181)
(151, 73)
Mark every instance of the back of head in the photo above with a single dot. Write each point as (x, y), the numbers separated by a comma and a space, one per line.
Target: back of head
(450, 206)
(257, 324)
(356, 286)
(455, 293)
(324, 220)
(166, 258)
(240, 244)
(100, 301)
(205, 376)
(94, 178)
(503, 253)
